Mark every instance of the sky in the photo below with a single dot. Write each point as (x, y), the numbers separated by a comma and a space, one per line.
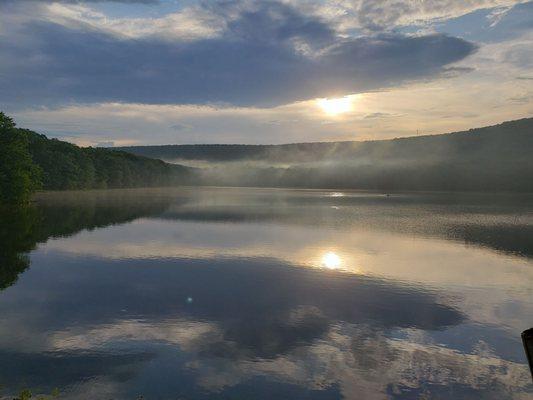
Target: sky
(125, 72)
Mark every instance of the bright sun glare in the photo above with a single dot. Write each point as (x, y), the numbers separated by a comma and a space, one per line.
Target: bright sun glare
(331, 260)
(337, 106)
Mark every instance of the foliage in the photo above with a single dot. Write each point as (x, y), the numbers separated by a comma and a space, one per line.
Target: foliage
(26, 394)
(6, 122)
(66, 166)
(19, 176)
(29, 161)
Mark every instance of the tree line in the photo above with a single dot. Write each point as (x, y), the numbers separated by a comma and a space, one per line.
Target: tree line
(30, 161)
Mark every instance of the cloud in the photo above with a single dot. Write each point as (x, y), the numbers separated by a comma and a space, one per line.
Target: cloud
(377, 115)
(520, 55)
(387, 15)
(503, 24)
(268, 54)
(189, 23)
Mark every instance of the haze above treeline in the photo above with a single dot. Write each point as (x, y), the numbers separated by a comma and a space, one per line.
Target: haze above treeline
(496, 158)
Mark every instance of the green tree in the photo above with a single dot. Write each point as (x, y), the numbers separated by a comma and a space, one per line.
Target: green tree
(6, 122)
(19, 176)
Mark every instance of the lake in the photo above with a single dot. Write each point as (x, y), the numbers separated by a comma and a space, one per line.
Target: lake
(213, 293)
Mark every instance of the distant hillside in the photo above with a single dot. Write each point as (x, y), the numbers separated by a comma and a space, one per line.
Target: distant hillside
(495, 158)
(511, 135)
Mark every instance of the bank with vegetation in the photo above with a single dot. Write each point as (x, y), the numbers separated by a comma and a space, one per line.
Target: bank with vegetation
(30, 161)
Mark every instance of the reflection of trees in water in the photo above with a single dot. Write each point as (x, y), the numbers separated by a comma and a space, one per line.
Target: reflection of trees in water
(64, 214)
(17, 237)
(512, 239)
(68, 367)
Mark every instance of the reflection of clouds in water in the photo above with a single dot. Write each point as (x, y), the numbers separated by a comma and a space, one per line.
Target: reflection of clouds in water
(367, 365)
(358, 358)
(481, 280)
(428, 316)
(260, 313)
(387, 254)
(177, 332)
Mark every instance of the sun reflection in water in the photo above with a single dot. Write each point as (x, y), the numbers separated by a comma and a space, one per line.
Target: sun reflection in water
(331, 260)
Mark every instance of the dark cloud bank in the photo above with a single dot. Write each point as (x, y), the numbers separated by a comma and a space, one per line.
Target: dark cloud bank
(269, 55)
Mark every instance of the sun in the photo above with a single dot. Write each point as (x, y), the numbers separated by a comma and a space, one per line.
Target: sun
(331, 260)
(336, 106)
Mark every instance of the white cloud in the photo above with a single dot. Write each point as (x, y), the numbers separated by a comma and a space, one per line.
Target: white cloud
(195, 21)
(190, 23)
(379, 15)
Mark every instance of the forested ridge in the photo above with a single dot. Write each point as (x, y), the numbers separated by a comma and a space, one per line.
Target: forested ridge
(495, 158)
(507, 138)
(31, 161)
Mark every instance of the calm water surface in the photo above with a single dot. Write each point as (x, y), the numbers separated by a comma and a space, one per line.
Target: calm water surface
(267, 294)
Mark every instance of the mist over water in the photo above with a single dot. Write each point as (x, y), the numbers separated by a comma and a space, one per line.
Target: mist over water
(203, 293)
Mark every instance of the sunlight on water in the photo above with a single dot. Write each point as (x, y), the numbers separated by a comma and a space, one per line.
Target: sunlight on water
(202, 293)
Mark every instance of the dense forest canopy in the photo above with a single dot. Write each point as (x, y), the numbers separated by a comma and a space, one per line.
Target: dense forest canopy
(29, 161)
(19, 175)
(496, 158)
(67, 166)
